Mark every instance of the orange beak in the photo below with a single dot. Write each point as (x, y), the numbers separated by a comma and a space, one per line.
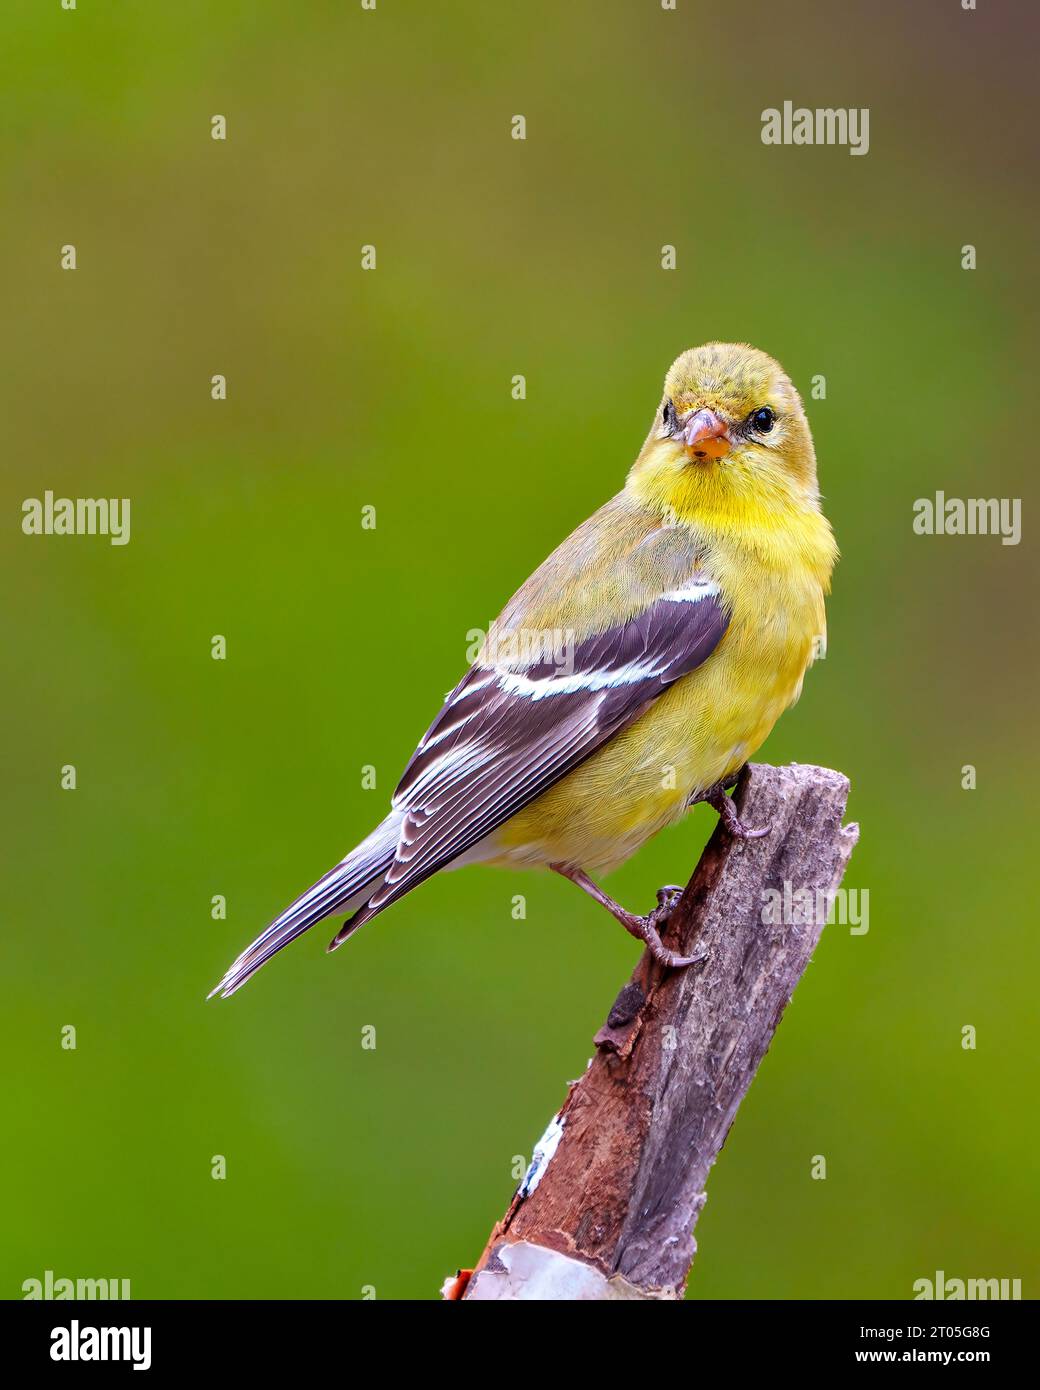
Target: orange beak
(706, 436)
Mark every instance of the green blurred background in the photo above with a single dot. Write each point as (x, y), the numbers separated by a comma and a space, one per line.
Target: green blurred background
(349, 1168)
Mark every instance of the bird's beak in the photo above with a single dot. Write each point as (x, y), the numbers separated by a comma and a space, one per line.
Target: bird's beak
(706, 436)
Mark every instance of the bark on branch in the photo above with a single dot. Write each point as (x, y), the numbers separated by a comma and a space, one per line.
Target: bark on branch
(608, 1207)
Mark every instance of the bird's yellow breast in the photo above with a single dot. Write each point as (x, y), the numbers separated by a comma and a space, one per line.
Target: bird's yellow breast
(773, 579)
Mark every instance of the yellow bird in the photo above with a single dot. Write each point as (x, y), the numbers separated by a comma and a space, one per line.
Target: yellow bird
(634, 673)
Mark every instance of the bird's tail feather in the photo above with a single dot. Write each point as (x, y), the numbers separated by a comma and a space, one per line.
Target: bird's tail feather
(346, 888)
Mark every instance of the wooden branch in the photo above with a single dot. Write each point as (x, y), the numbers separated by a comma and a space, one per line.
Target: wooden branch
(608, 1206)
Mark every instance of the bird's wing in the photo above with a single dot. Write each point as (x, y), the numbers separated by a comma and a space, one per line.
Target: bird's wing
(506, 734)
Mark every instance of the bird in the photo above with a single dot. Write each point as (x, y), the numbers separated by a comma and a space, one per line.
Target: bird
(630, 678)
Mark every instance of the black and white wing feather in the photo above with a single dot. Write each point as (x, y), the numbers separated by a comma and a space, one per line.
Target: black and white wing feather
(505, 735)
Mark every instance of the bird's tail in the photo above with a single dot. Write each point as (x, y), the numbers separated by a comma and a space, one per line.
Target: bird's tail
(346, 889)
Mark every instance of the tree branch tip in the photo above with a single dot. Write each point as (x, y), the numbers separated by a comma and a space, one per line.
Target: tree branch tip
(612, 1212)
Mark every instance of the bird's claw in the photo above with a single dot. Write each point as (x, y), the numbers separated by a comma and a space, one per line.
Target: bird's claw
(661, 953)
(669, 896)
(672, 960)
(647, 929)
(740, 831)
(718, 799)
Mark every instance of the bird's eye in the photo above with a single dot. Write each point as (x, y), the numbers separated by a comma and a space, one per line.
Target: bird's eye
(762, 420)
(668, 415)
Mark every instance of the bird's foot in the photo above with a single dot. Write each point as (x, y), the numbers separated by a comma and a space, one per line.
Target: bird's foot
(648, 930)
(645, 929)
(668, 896)
(719, 801)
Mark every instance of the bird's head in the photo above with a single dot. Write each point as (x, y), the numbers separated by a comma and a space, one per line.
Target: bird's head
(729, 437)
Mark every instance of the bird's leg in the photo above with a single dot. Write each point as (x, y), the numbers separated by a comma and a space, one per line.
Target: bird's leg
(729, 783)
(716, 797)
(645, 928)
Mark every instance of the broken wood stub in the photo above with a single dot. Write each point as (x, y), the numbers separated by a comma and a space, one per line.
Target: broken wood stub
(625, 1182)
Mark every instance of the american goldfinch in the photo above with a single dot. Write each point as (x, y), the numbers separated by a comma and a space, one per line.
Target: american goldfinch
(631, 677)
